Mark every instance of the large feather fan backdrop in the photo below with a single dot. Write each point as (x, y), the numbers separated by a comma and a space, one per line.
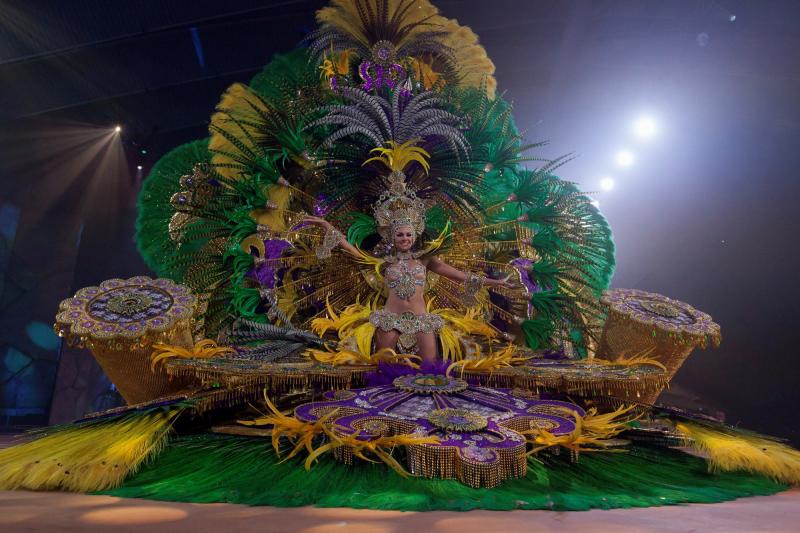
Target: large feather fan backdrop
(221, 214)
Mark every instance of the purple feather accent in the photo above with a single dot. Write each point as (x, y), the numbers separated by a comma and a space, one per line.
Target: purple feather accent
(263, 273)
(321, 207)
(387, 372)
(376, 76)
(369, 81)
(396, 75)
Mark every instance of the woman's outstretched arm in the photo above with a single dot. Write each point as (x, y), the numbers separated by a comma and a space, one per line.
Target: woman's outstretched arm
(443, 269)
(332, 233)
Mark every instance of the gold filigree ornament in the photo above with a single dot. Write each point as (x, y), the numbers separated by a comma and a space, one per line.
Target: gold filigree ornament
(460, 420)
(120, 321)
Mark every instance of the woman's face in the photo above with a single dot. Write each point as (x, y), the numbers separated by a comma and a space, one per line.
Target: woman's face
(403, 238)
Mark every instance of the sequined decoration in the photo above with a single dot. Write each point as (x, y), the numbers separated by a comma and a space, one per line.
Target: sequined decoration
(461, 420)
(479, 429)
(408, 324)
(330, 241)
(125, 309)
(472, 285)
(404, 278)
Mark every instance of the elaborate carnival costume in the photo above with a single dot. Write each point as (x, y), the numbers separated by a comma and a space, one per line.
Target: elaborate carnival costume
(404, 273)
(255, 304)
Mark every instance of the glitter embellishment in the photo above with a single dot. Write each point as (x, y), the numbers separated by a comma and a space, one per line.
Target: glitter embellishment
(460, 420)
(404, 277)
(407, 323)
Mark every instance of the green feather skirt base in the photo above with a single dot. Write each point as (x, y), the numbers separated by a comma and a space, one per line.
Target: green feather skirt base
(214, 468)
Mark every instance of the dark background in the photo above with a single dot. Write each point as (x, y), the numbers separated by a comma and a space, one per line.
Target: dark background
(707, 214)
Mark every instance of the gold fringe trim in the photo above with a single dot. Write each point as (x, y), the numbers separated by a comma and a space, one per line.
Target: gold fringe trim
(445, 462)
(279, 378)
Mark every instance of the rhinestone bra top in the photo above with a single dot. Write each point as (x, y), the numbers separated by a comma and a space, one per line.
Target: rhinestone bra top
(403, 277)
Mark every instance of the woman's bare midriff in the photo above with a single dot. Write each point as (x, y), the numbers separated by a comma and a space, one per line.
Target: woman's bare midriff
(415, 304)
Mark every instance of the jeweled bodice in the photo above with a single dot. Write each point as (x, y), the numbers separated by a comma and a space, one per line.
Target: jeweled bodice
(404, 275)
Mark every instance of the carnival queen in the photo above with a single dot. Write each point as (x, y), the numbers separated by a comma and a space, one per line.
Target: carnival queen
(404, 324)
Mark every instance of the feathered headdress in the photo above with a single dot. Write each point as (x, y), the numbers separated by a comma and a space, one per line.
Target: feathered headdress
(397, 207)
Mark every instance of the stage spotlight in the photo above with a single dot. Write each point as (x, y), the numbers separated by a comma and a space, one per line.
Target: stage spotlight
(625, 158)
(645, 127)
(596, 203)
(118, 129)
(138, 167)
(732, 18)
(607, 184)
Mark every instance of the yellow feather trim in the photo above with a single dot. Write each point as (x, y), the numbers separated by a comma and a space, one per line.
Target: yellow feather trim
(397, 156)
(592, 432)
(354, 329)
(507, 357)
(335, 63)
(631, 361)
(204, 349)
(302, 434)
(468, 322)
(86, 458)
(636, 359)
(438, 241)
(451, 344)
(274, 214)
(753, 453)
(381, 447)
(253, 241)
(350, 320)
(351, 358)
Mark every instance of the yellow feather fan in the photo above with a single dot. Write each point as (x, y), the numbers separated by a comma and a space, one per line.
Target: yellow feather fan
(753, 453)
(239, 101)
(89, 457)
(397, 155)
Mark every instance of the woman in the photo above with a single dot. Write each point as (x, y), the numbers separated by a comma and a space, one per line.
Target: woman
(404, 324)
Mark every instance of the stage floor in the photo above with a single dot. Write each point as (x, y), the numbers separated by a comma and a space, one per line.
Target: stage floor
(54, 511)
